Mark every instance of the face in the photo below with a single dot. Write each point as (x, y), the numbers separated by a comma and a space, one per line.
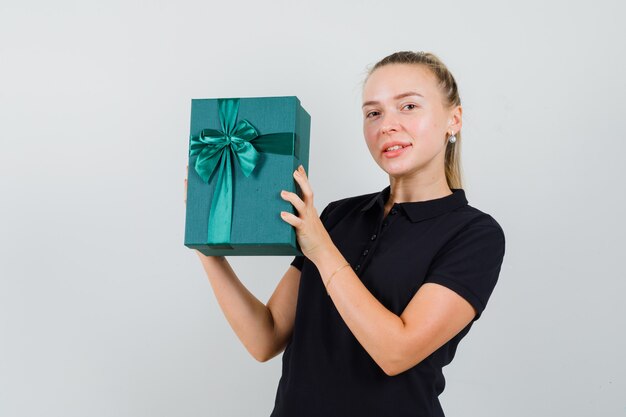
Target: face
(405, 121)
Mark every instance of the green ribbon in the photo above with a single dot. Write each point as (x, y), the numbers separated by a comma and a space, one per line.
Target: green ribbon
(217, 148)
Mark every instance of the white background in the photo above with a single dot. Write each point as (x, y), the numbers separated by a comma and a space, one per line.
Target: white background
(104, 312)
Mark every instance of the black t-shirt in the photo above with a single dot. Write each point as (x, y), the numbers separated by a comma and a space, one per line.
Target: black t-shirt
(326, 372)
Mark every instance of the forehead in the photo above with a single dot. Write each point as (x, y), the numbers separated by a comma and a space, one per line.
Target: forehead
(393, 79)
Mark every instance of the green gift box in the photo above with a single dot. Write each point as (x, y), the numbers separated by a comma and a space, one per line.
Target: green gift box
(242, 153)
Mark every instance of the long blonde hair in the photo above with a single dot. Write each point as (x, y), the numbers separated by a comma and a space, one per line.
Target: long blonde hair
(450, 92)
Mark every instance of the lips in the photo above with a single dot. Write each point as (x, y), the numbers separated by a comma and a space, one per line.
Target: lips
(396, 151)
(394, 144)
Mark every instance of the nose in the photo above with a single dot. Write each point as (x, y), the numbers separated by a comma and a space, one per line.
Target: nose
(389, 124)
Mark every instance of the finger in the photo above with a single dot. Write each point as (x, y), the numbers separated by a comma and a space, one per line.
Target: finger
(294, 199)
(291, 218)
(303, 182)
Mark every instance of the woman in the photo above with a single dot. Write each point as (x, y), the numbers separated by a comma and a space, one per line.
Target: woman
(390, 281)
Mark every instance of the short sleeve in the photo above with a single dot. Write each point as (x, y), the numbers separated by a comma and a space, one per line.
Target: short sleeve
(298, 261)
(470, 264)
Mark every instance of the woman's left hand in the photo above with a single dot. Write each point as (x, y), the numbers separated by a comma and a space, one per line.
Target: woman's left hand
(312, 236)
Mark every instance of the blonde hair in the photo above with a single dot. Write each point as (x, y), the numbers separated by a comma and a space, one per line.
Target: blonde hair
(450, 92)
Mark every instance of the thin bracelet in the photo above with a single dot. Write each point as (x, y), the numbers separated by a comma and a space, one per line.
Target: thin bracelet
(333, 274)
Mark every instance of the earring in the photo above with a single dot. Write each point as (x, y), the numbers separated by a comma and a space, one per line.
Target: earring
(452, 138)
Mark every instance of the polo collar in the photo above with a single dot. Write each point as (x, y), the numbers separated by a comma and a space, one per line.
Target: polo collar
(421, 210)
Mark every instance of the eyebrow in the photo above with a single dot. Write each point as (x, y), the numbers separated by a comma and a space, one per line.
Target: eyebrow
(398, 97)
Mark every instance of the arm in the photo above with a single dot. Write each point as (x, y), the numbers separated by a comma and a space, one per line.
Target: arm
(434, 315)
(264, 329)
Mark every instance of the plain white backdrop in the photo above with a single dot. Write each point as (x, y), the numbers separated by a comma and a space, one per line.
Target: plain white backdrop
(104, 312)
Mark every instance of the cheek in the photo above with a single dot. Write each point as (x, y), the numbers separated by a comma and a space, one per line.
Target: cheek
(437, 124)
(424, 128)
(370, 135)
(419, 125)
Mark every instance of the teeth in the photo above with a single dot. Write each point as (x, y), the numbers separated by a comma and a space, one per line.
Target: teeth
(393, 148)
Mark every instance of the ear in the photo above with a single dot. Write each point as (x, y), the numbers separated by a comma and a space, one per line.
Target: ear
(455, 119)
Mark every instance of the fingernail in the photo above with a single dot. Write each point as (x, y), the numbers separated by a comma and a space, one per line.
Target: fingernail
(301, 168)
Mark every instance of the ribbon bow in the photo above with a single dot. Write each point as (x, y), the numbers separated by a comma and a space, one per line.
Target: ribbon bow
(214, 149)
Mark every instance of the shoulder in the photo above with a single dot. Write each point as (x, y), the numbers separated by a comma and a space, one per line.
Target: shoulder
(468, 225)
(474, 217)
(471, 217)
(469, 255)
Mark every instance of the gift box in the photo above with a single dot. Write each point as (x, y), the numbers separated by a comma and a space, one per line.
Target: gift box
(242, 153)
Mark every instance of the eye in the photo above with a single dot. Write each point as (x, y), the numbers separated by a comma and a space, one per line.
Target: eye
(410, 106)
(371, 114)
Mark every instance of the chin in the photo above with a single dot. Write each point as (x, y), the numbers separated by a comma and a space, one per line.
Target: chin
(396, 169)
(397, 172)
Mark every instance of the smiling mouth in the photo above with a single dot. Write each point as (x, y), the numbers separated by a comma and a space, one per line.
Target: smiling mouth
(395, 148)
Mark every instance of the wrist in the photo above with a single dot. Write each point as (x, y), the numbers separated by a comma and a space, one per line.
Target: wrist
(327, 259)
(209, 258)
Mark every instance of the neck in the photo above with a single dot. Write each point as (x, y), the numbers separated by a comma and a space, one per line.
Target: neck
(403, 189)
